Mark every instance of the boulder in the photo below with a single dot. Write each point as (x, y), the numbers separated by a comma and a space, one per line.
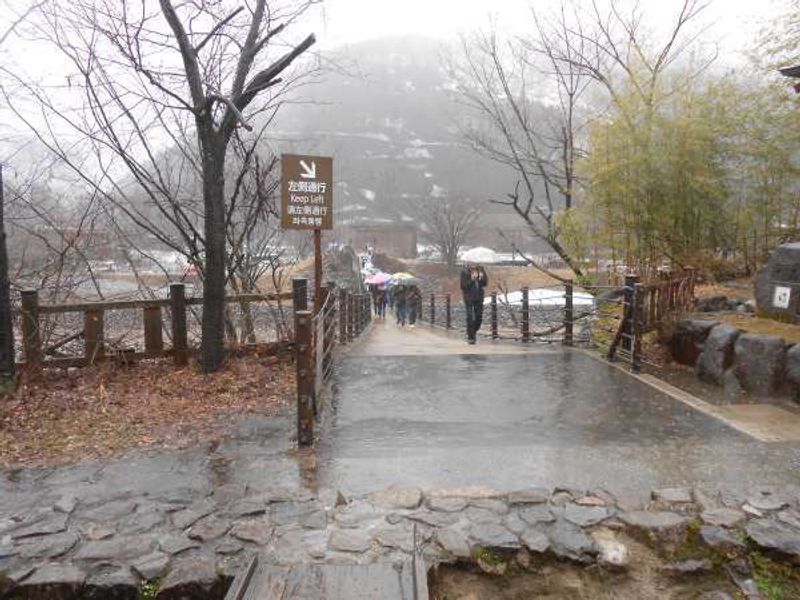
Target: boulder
(688, 338)
(793, 370)
(714, 303)
(760, 363)
(717, 353)
(112, 583)
(782, 270)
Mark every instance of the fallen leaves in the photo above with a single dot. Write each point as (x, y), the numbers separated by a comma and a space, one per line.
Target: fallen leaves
(100, 411)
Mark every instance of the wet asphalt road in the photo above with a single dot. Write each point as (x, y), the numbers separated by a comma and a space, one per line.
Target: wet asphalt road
(553, 418)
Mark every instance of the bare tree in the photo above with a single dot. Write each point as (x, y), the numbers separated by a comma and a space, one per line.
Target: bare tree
(152, 75)
(527, 94)
(447, 224)
(514, 128)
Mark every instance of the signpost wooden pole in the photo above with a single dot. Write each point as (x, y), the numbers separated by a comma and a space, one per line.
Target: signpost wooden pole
(317, 270)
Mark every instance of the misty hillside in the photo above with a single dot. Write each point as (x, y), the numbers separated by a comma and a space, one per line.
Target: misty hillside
(390, 125)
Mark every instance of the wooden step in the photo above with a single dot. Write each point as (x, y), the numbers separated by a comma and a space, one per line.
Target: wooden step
(384, 581)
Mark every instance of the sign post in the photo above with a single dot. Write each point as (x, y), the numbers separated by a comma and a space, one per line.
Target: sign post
(307, 203)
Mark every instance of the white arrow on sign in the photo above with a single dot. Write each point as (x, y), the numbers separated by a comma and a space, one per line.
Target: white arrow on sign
(309, 172)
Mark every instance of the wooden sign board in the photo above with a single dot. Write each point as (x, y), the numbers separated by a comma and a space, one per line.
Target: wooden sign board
(306, 192)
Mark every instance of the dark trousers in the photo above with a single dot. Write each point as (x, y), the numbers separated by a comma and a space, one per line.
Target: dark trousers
(413, 312)
(474, 317)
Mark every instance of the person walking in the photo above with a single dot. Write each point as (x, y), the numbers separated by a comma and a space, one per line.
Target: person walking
(414, 303)
(380, 302)
(473, 280)
(400, 304)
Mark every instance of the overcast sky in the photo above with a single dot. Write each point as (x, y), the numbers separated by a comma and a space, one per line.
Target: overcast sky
(735, 23)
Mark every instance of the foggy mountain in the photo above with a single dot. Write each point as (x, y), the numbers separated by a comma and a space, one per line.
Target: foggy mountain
(392, 130)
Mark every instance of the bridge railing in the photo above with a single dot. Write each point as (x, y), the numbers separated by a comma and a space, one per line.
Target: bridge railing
(613, 319)
(342, 317)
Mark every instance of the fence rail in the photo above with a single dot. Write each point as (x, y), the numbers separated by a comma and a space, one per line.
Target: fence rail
(93, 334)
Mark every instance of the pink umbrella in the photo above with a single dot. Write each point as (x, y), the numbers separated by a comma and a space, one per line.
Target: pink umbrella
(377, 279)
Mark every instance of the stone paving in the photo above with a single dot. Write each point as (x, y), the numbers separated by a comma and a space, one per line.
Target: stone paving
(193, 546)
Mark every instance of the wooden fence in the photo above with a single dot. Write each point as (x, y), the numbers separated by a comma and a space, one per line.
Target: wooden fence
(94, 327)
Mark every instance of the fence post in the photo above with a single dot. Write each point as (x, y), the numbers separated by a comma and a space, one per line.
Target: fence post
(153, 329)
(31, 339)
(351, 316)
(690, 274)
(305, 378)
(180, 342)
(433, 310)
(299, 293)
(627, 311)
(343, 316)
(448, 323)
(494, 315)
(328, 324)
(637, 328)
(569, 315)
(526, 316)
(94, 348)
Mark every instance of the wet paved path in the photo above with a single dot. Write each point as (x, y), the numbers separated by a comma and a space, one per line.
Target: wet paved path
(419, 407)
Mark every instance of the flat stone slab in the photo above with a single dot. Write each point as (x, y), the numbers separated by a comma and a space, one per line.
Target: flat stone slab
(62, 575)
(258, 531)
(775, 535)
(395, 497)
(346, 540)
(537, 514)
(657, 520)
(675, 495)
(489, 535)
(535, 540)
(570, 541)
(529, 496)
(453, 541)
(446, 504)
(117, 549)
(723, 517)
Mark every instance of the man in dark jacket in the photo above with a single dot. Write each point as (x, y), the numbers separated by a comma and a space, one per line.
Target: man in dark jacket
(473, 280)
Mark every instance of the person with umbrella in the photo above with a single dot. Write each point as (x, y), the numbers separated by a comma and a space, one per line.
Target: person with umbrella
(414, 303)
(473, 280)
(400, 303)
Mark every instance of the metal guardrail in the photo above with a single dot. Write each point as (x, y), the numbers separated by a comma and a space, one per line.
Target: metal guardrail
(616, 320)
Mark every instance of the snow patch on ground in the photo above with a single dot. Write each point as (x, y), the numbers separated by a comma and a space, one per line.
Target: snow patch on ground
(437, 191)
(368, 194)
(416, 153)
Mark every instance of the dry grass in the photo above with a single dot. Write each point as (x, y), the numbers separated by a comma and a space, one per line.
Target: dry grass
(97, 412)
(753, 324)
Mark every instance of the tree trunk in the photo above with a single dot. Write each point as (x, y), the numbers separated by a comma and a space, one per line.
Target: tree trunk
(213, 345)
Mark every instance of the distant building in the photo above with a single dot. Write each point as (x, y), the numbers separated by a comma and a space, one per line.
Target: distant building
(793, 73)
(394, 239)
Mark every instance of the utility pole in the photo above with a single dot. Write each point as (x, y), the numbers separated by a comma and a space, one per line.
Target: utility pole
(6, 325)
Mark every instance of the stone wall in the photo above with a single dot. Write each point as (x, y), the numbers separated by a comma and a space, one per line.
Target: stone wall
(724, 355)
